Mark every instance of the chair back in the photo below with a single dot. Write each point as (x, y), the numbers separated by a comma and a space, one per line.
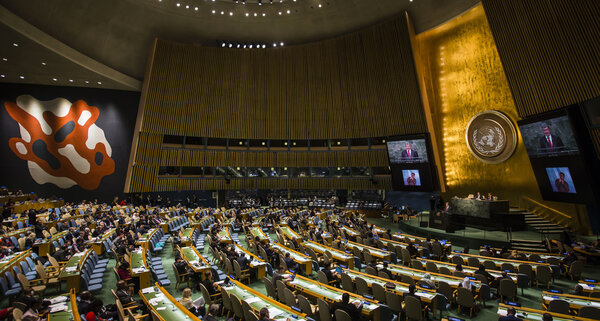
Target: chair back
(237, 307)
(508, 267)
(384, 275)
(270, 288)
(378, 292)
(347, 283)
(407, 279)
(280, 291)
(507, 288)
(17, 314)
(543, 274)
(589, 312)
(405, 258)
(324, 313)
(458, 260)
(559, 306)
(473, 262)
(305, 305)
(290, 297)
(413, 308)
(361, 286)
(575, 270)
(371, 270)
(464, 297)
(431, 267)
(394, 301)
(205, 294)
(226, 299)
(341, 315)
(322, 277)
(445, 289)
(489, 265)
(482, 278)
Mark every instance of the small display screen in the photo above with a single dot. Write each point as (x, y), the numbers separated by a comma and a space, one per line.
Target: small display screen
(407, 151)
(550, 137)
(561, 180)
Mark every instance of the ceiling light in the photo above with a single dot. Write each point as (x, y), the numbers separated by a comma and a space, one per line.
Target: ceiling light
(187, 7)
(2, 76)
(22, 77)
(4, 59)
(264, 14)
(70, 80)
(87, 81)
(230, 13)
(281, 43)
(54, 79)
(274, 45)
(230, 45)
(320, 5)
(213, 11)
(43, 63)
(15, 44)
(264, 46)
(222, 12)
(250, 46)
(178, 4)
(255, 14)
(223, 45)
(247, 14)
(99, 83)
(196, 8)
(288, 12)
(279, 13)
(260, 2)
(238, 45)
(244, 46)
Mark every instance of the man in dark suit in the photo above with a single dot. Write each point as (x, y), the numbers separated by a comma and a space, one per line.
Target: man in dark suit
(548, 142)
(408, 153)
(561, 185)
(510, 315)
(411, 181)
(353, 309)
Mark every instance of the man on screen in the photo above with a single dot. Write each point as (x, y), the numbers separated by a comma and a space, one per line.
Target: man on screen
(411, 181)
(561, 185)
(408, 154)
(549, 142)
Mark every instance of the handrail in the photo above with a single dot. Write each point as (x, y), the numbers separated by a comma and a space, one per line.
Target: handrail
(546, 207)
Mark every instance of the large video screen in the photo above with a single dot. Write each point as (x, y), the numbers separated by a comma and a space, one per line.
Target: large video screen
(411, 177)
(407, 151)
(561, 180)
(549, 138)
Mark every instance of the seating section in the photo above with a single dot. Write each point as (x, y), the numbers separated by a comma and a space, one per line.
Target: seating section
(178, 222)
(157, 269)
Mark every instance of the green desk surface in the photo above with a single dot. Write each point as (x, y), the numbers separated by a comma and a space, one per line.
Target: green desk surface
(224, 234)
(577, 302)
(63, 315)
(350, 231)
(25, 231)
(333, 294)
(497, 261)
(8, 261)
(163, 305)
(289, 232)
(372, 250)
(337, 254)
(400, 287)
(256, 231)
(466, 269)
(187, 233)
(73, 262)
(257, 302)
(254, 260)
(418, 274)
(301, 258)
(146, 236)
(535, 315)
(136, 261)
(193, 259)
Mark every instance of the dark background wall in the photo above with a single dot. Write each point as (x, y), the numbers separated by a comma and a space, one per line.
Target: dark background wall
(118, 110)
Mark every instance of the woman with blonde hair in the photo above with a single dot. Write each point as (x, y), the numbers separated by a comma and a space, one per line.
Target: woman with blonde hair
(187, 301)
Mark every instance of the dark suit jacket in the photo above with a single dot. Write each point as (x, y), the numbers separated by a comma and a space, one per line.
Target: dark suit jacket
(350, 308)
(413, 154)
(556, 142)
(509, 318)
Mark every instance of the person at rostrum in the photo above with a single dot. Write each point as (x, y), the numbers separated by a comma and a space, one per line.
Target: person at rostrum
(353, 309)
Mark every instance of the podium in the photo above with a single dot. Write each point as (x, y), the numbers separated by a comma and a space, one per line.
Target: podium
(446, 221)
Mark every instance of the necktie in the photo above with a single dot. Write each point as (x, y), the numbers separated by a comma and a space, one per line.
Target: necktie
(409, 153)
(549, 141)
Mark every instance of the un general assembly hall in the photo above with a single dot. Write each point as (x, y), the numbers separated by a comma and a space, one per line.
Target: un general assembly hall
(299, 160)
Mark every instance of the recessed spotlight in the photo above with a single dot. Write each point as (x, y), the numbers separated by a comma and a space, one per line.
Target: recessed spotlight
(264, 46)
(250, 46)
(255, 14)
(238, 45)
(230, 13)
(2, 76)
(4, 59)
(99, 83)
(70, 80)
(274, 45)
(213, 11)
(281, 43)
(320, 5)
(54, 79)
(22, 77)
(222, 12)
(87, 81)
(264, 14)
(279, 13)
(187, 7)
(43, 63)
(196, 8)
(178, 4)
(288, 12)
(247, 14)
(15, 44)
(223, 45)
(230, 45)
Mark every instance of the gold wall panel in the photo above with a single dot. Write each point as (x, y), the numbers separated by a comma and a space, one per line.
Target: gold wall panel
(550, 50)
(464, 76)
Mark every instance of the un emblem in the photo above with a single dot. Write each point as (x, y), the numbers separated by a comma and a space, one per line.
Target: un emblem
(491, 137)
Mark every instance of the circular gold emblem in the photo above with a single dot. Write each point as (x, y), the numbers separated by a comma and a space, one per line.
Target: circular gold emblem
(491, 137)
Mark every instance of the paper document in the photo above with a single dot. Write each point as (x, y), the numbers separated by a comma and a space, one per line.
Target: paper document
(148, 290)
(252, 300)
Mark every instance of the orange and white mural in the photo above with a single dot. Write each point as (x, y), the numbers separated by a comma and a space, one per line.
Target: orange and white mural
(61, 142)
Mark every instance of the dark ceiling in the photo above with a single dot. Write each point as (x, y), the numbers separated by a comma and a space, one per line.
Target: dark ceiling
(117, 34)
